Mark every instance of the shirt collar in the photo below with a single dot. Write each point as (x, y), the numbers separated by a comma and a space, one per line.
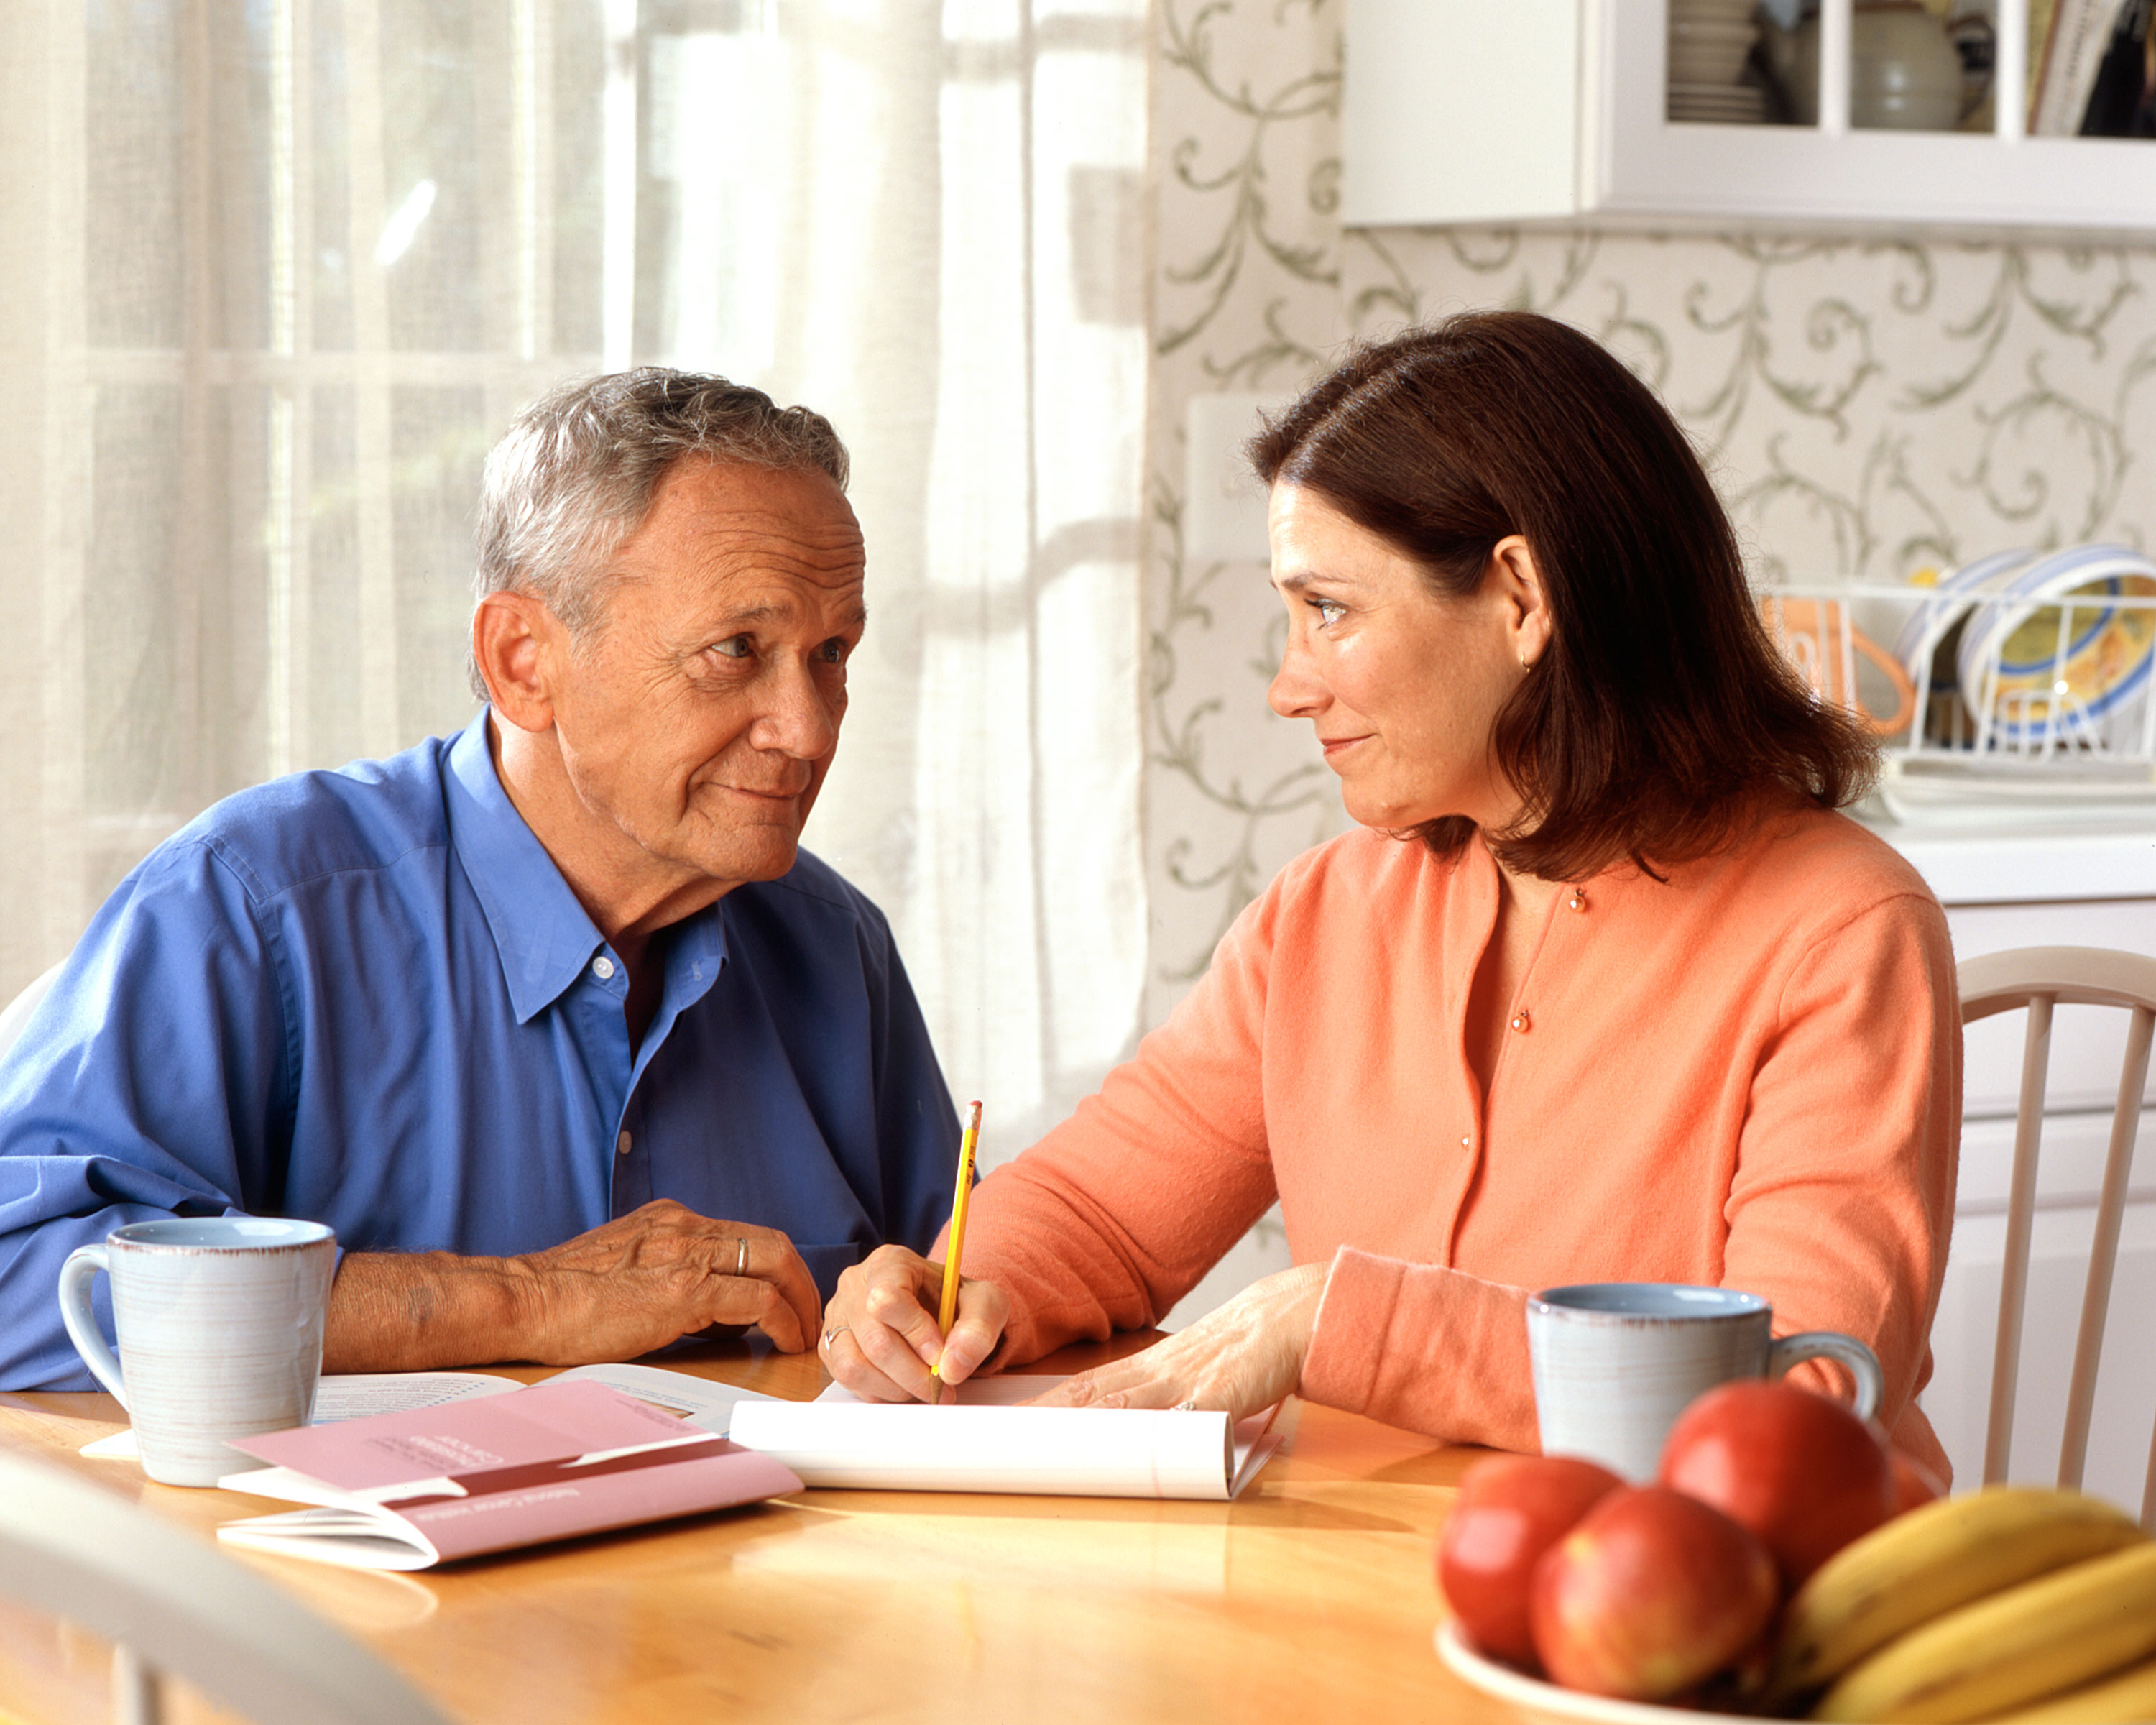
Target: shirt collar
(547, 939)
(543, 936)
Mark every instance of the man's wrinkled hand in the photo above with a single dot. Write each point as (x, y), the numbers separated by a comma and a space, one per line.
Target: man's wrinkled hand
(883, 1333)
(658, 1274)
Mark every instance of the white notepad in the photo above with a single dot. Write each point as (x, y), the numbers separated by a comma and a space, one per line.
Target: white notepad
(982, 1443)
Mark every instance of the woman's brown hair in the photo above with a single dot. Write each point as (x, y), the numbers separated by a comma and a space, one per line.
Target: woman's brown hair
(1660, 715)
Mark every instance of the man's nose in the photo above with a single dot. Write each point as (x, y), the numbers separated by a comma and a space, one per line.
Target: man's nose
(800, 717)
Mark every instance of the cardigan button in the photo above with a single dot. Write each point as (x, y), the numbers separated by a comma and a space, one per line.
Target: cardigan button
(1520, 1019)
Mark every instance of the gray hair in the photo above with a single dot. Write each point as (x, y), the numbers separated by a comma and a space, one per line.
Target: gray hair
(573, 478)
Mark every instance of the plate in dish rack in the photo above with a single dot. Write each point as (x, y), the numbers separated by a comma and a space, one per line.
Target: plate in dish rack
(1549, 1705)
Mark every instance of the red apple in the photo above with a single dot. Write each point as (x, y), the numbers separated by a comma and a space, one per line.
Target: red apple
(1915, 1484)
(1511, 1510)
(1650, 1593)
(1800, 1470)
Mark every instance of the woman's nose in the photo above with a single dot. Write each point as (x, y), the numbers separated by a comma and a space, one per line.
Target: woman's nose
(1293, 693)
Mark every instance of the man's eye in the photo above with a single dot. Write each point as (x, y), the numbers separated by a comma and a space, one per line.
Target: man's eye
(833, 651)
(735, 646)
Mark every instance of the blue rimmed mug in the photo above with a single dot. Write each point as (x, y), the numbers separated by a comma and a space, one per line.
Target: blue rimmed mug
(220, 1322)
(1616, 1362)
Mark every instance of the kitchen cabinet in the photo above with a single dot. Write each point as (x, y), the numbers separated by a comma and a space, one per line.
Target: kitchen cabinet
(2005, 887)
(1551, 112)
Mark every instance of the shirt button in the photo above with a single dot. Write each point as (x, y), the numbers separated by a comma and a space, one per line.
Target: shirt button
(623, 1144)
(603, 968)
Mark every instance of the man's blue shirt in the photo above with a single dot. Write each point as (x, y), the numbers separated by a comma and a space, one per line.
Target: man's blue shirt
(369, 998)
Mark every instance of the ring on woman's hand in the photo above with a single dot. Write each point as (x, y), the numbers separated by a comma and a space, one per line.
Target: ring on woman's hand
(1188, 1407)
(741, 1255)
(833, 1334)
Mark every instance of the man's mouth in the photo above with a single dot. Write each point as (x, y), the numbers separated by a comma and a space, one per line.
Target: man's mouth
(778, 796)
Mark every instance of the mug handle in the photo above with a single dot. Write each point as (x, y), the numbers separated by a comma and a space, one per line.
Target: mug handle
(82, 1264)
(1826, 1344)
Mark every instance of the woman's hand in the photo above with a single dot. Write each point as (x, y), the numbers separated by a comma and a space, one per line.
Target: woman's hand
(879, 1333)
(1244, 1356)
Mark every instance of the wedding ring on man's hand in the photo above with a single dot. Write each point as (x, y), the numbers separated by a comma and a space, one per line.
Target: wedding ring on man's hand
(1188, 1407)
(741, 1255)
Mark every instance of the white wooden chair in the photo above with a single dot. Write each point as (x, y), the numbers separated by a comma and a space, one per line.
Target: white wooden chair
(2041, 978)
(170, 1603)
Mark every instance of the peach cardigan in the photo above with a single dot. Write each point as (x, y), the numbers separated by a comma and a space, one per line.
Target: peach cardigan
(1749, 1075)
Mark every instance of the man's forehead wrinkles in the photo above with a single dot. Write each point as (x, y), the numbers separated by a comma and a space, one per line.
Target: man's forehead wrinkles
(747, 603)
(728, 519)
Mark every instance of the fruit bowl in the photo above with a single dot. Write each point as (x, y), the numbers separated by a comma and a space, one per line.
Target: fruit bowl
(1548, 1704)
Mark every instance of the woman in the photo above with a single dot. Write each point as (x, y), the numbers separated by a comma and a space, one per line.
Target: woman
(1600, 989)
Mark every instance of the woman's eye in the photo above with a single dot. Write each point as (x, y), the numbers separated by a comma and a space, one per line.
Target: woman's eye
(1329, 612)
(735, 646)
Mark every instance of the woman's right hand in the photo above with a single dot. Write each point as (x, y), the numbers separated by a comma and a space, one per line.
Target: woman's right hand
(880, 1332)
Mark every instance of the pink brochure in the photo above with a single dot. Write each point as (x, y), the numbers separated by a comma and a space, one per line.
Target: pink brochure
(428, 1485)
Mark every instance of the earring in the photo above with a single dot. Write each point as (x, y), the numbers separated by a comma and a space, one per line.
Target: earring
(1525, 663)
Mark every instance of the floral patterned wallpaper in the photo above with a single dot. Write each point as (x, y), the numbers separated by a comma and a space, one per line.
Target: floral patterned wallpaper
(1869, 408)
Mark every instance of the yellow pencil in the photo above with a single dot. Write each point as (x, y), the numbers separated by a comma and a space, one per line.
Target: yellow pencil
(956, 1242)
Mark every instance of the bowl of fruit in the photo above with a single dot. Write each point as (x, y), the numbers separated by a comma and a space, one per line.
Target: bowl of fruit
(1785, 1564)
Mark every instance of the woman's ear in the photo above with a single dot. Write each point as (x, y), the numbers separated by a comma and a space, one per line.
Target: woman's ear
(1525, 601)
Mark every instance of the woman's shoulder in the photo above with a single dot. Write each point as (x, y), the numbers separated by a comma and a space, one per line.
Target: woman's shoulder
(1800, 866)
(1823, 849)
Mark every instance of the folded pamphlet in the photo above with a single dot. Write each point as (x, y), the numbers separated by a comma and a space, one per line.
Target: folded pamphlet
(425, 1486)
(982, 1443)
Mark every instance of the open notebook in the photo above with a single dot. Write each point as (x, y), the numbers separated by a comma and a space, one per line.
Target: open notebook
(982, 1443)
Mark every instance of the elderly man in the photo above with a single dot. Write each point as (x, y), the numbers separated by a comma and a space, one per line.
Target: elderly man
(551, 1021)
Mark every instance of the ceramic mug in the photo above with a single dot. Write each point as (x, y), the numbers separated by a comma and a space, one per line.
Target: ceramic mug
(1616, 1362)
(220, 1326)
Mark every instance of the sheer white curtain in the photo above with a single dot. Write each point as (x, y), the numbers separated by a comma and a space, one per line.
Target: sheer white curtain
(275, 273)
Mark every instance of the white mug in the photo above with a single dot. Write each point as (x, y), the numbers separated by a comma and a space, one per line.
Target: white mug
(1616, 1362)
(220, 1325)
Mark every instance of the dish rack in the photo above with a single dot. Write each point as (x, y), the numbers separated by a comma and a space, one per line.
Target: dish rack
(2020, 683)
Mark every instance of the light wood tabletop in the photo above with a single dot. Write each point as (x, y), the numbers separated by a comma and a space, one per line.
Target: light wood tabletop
(1309, 1598)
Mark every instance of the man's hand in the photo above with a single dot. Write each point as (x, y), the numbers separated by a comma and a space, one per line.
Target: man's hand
(633, 1284)
(883, 1329)
(1245, 1356)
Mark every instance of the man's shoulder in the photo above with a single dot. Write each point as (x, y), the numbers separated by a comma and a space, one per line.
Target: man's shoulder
(308, 826)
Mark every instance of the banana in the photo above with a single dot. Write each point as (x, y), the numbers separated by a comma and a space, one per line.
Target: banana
(2121, 1699)
(1932, 1561)
(2055, 1633)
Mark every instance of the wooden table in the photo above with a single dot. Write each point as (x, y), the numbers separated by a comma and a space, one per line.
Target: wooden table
(1310, 1599)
